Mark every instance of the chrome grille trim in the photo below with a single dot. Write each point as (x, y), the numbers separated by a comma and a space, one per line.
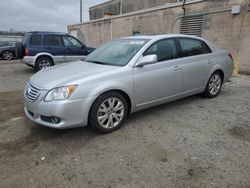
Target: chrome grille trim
(32, 93)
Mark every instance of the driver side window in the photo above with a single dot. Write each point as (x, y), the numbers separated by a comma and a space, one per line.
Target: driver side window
(71, 42)
(164, 49)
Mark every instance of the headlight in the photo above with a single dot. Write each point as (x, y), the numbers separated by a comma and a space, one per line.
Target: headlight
(60, 93)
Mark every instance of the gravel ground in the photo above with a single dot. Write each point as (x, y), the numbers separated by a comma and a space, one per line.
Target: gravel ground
(194, 142)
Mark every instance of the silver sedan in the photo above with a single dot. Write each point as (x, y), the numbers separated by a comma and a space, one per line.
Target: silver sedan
(124, 76)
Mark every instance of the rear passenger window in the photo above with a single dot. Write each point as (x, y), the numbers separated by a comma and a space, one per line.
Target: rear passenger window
(35, 40)
(53, 40)
(192, 47)
(164, 49)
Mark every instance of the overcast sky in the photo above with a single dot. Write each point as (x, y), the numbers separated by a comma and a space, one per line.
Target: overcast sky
(49, 15)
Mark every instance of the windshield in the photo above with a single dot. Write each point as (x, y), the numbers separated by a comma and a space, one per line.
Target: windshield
(117, 52)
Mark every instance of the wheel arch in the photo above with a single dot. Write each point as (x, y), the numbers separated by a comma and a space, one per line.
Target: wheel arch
(217, 69)
(45, 55)
(7, 50)
(221, 73)
(123, 93)
(39, 55)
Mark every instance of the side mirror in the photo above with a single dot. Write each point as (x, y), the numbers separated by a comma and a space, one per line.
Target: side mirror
(146, 60)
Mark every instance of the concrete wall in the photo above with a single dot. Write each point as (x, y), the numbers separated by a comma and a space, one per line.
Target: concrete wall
(114, 7)
(231, 32)
(11, 38)
(98, 11)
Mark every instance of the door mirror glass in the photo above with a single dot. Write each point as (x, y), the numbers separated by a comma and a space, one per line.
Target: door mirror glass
(146, 60)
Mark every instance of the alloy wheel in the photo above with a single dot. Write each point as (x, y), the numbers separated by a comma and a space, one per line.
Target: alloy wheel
(43, 64)
(7, 55)
(110, 113)
(214, 84)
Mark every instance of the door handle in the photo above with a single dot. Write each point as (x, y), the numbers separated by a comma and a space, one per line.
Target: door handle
(210, 62)
(177, 68)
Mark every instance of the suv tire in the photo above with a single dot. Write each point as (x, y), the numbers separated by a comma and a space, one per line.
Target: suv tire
(43, 63)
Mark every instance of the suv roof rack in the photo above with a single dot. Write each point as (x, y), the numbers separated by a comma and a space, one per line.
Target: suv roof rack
(48, 32)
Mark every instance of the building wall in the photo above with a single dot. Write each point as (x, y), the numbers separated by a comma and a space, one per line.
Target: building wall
(231, 32)
(114, 6)
(11, 38)
(98, 11)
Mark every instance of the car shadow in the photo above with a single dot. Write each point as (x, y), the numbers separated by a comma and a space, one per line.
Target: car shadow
(46, 133)
(26, 70)
(65, 140)
(164, 107)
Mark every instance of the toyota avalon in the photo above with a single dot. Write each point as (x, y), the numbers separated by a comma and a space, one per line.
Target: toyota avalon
(124, 76)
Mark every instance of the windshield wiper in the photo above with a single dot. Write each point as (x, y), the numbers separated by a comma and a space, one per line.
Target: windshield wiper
(97, 62)
(102, 63)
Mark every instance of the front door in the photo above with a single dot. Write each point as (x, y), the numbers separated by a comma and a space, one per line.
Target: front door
(74, 50)
(161, 81)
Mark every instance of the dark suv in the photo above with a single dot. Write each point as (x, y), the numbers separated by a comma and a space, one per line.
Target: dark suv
(45, 49)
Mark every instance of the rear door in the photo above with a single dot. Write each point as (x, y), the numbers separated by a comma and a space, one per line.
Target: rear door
(197, 62)
(53, 44)
(74, 49)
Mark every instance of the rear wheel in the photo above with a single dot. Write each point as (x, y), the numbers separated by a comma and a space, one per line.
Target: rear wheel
(108, 112)
(7, 55)
(214, 85)
(43, 63)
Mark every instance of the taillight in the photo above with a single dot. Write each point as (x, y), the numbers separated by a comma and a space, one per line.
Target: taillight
(26, 52)
(231, 56)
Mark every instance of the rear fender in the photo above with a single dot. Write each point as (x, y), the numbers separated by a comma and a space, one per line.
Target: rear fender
(42, 54)
(214, 69)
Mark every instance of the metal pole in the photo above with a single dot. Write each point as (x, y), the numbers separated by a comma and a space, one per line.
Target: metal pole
(80, 10)
(121, 4)
(184, 14)
(111, 28)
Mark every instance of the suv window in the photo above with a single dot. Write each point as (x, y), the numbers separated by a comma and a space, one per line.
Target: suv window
(164, 49)
(71, 42)
(192, 47)
(53, 40)
(35, 40)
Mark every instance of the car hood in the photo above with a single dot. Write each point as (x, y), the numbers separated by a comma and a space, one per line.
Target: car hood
(70, 73)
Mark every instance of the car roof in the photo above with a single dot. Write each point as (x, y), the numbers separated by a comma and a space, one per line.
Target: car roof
(158, 37)
(47, 32)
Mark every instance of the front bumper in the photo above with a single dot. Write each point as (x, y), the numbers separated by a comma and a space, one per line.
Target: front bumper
(29, 60)
(72, 113)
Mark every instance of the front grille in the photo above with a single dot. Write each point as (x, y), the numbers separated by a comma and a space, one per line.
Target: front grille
(32, 93)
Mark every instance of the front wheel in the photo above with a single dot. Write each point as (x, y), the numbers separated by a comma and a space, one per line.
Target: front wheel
(108, 112)
(214, 85)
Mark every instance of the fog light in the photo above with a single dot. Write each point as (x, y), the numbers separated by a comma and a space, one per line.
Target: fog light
(55, 120)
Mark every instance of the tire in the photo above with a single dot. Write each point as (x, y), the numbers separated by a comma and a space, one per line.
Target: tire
(7, 55)
(214, 85)
(105, 117)
(43, 63)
